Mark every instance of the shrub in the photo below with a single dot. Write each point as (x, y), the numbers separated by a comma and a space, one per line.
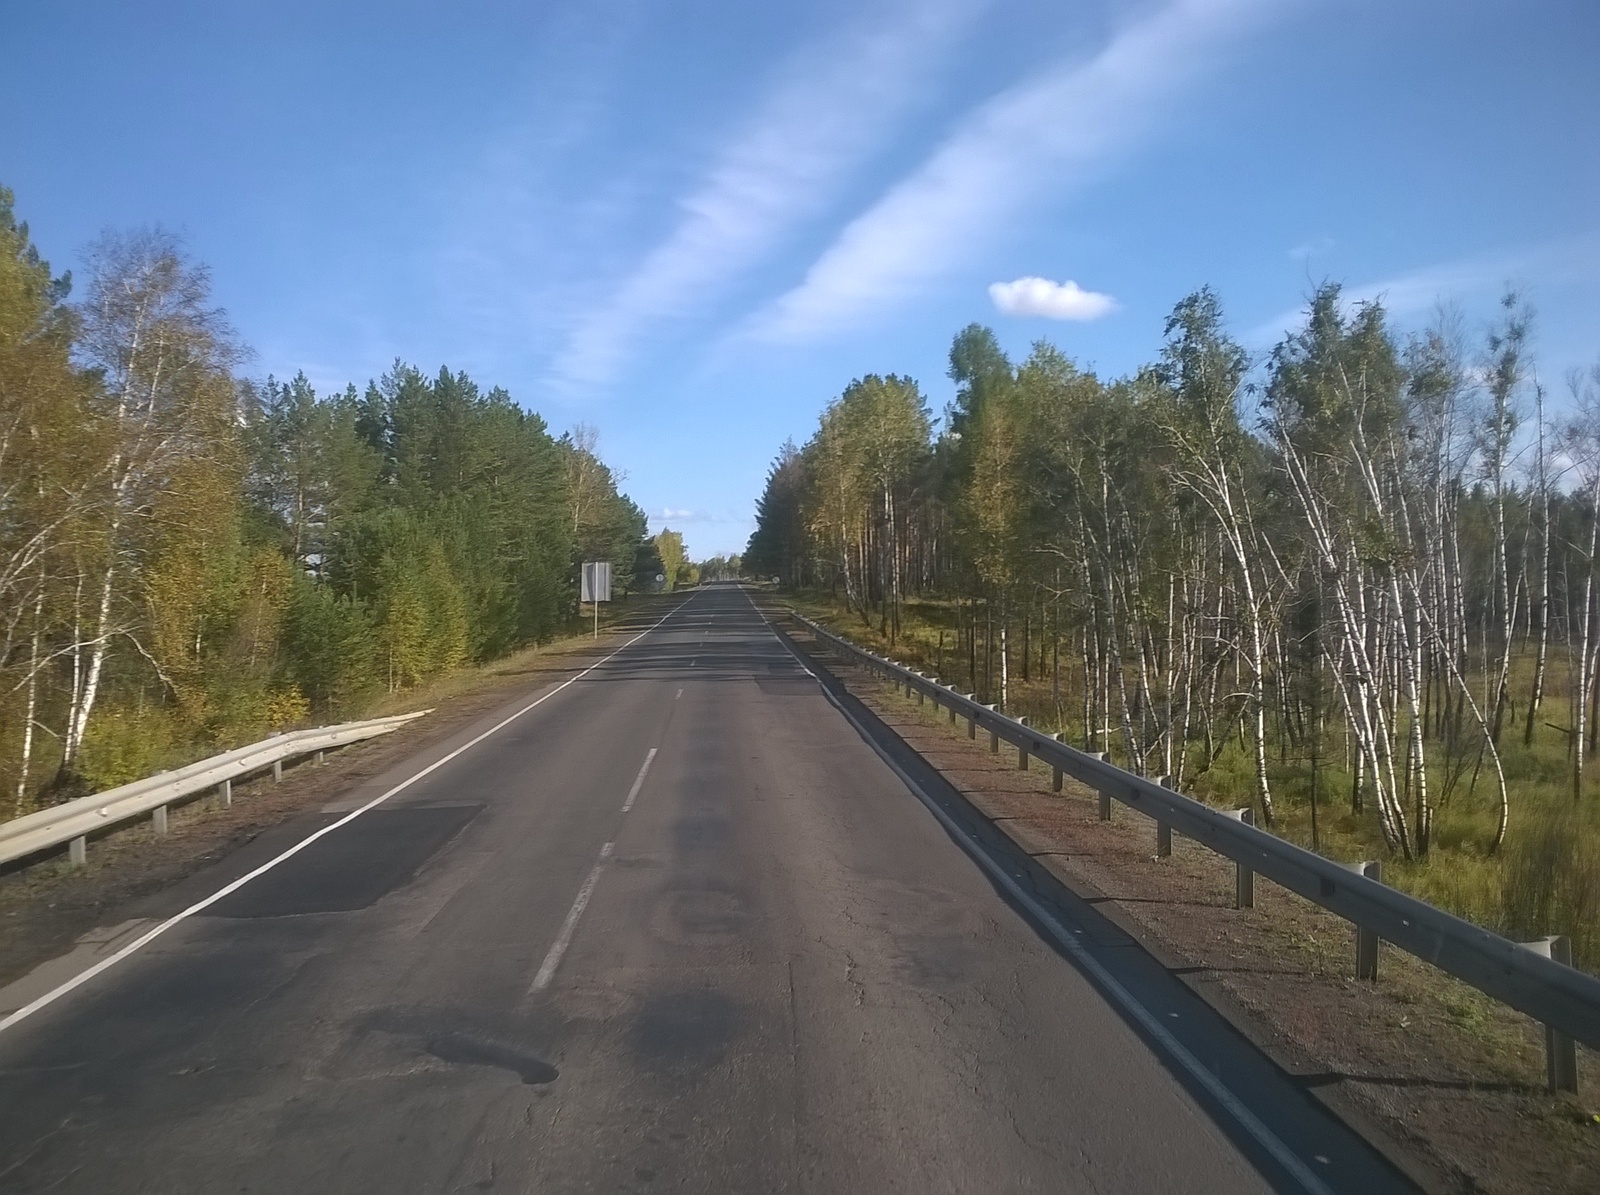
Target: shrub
(1550, 883)
(124, 745)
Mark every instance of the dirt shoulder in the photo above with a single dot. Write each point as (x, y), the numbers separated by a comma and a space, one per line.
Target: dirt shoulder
(47, 907)
(1447, 1082)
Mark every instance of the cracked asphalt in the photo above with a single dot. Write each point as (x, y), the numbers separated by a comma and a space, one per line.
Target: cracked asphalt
(776, 971)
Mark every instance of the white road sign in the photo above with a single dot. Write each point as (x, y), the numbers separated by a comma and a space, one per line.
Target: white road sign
(596, 581)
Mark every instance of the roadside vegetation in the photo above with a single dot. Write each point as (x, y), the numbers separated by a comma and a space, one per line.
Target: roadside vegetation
(189, 559)
(1349, 584)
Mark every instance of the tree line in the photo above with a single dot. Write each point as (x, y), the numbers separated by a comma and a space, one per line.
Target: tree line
(1364, 558)
(188, 559)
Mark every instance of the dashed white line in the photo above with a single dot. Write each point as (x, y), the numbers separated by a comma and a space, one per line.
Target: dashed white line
(638, 781)
(547, 971)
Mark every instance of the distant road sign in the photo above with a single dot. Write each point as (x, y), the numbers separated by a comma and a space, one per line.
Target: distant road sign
(596, 581)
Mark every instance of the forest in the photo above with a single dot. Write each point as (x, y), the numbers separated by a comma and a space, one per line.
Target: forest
(1349, 582)
(190, 560)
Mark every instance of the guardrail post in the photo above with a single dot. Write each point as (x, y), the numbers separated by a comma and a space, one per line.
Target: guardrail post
(1022, 751)
(1105, 797)
(972, 723)
(225, 791)
(994, 735)
(952, 710)
(277, 771)
(318, 758)
(1560, 1053)
(1367, 939)
(1244, 881)
(1055, 773)
(78, 850)
(158, 819)
(1164, 831)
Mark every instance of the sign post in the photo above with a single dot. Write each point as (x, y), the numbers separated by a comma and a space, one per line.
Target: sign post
(595, 587)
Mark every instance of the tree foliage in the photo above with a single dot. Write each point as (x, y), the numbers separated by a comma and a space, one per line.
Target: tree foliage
(1330, 553)
(189, 559)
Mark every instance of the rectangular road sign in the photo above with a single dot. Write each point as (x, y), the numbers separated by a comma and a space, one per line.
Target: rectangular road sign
(596, 581)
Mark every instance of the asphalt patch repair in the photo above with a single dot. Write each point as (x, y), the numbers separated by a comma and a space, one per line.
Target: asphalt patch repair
(343, 873)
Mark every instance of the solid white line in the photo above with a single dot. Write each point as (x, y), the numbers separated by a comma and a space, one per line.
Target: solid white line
(145, 939)
(638, 782)
(547, 971)
(1246, 1119)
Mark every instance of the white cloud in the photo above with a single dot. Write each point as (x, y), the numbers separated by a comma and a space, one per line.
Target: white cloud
(1052, 300)
(834, 106)
(1042, 137)
(673, 512)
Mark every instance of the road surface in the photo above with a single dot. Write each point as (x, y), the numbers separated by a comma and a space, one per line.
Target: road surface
(680, 925)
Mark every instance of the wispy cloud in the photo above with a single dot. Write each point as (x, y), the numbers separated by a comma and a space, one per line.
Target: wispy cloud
(831, 109)
(1041, 136)
(1481, 276)
(1052, 300)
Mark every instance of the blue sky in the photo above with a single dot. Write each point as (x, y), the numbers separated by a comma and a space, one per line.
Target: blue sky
(691, 224)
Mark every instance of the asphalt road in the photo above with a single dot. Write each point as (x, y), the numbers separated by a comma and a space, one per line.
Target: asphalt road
(682, 925)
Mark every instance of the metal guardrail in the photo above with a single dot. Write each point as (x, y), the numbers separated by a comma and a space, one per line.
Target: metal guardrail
(1523, 976)
(72, 823)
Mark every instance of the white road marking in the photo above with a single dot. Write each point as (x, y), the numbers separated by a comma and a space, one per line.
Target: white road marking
(638, 782)
(547, 970)
(677, 695)
(139, 943)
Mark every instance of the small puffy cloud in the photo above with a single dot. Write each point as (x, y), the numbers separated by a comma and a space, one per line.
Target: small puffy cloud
(1053, 300)
(675, 512)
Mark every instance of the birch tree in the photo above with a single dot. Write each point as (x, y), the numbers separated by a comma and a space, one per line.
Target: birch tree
(164, 359)
(1204, 373)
